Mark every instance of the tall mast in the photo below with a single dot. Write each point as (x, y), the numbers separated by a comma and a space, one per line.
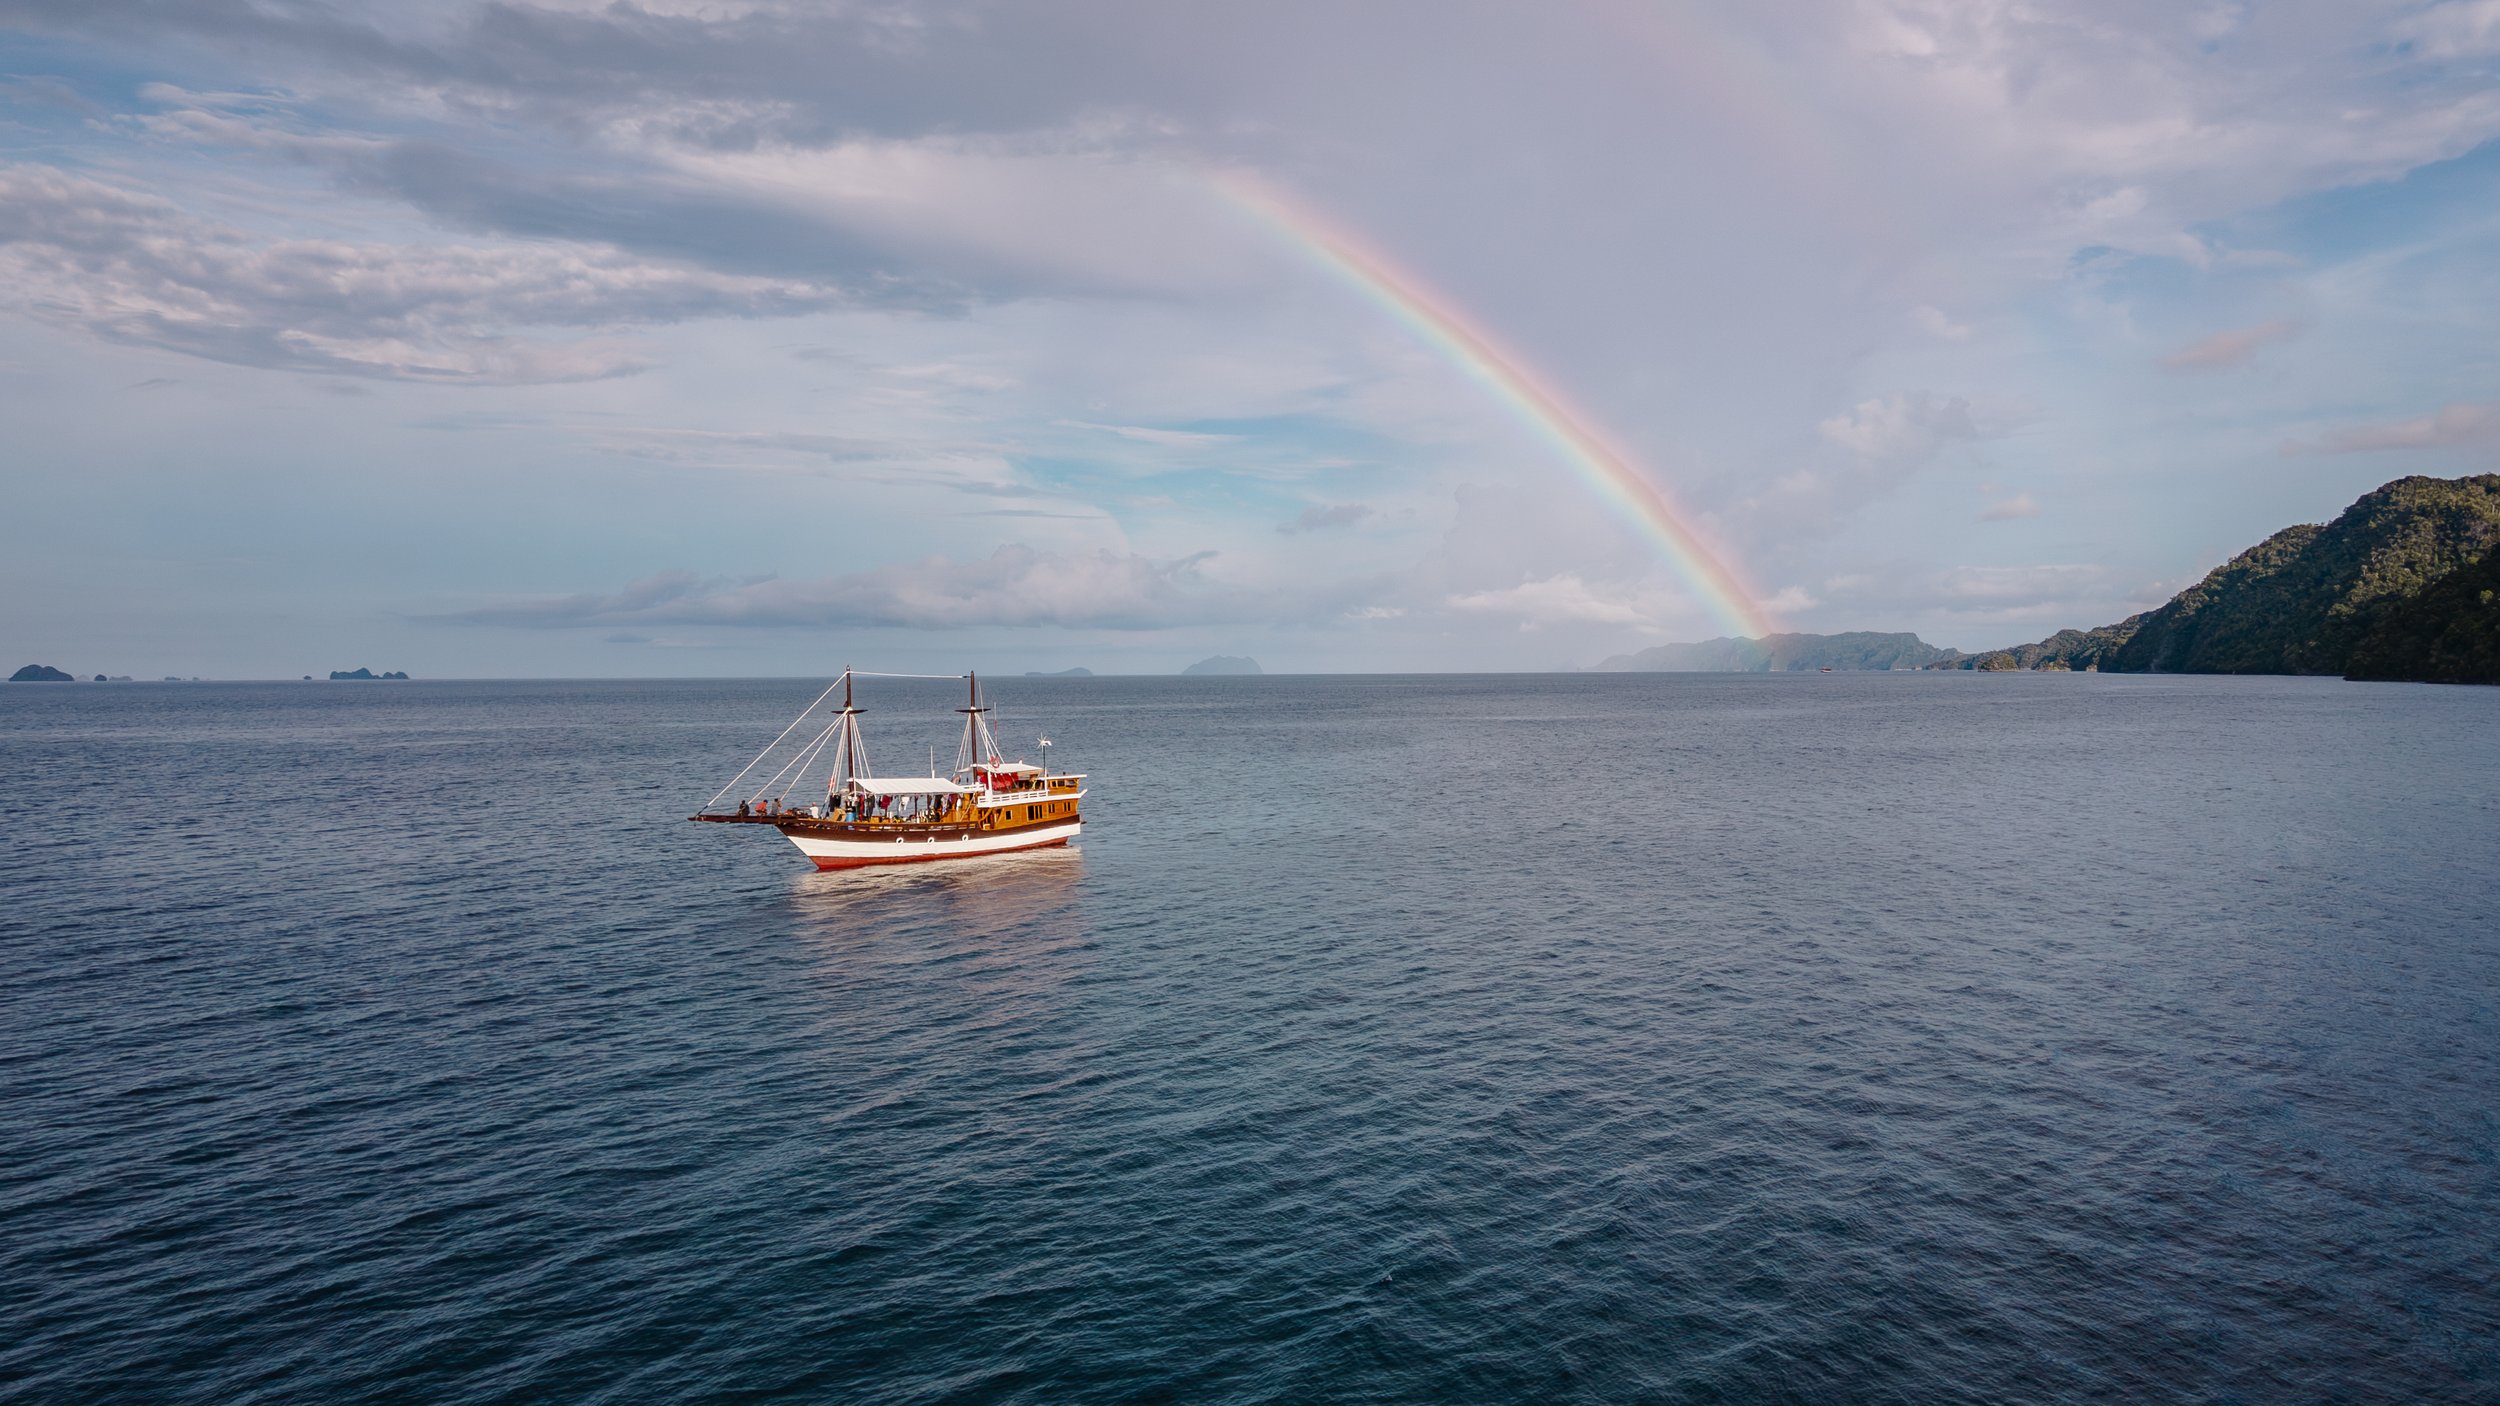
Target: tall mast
(978, 746)
(850, 756)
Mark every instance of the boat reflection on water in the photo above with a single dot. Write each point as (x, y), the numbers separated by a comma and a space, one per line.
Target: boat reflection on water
(939, 985)
(1015, 917)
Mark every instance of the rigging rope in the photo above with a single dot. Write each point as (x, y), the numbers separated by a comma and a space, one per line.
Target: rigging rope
(805, 753)
(769, 746)
(808, 758)
(797, 763)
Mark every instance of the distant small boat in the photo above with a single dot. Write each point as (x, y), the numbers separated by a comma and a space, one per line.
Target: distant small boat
(988, 805)
(1827, 668)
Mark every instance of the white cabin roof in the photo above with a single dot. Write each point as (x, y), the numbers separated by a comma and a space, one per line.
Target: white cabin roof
(1010, 768)
(908, 786)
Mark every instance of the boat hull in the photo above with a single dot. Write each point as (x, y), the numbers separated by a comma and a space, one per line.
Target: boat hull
(848, 852)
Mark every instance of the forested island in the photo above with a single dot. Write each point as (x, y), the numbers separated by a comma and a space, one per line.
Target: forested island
(349, 675)
(2404, 585)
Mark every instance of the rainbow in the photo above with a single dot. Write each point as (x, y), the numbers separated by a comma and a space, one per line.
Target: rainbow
(1541, 408)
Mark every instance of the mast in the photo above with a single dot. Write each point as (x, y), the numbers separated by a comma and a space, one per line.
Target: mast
(978, 745)
(850, 755)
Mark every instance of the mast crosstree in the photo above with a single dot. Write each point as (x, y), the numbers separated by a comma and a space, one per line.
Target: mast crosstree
(979, 746)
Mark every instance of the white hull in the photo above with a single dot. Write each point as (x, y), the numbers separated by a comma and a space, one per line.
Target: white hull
(843, 853)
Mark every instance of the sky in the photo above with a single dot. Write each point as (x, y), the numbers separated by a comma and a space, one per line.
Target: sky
(745, 337)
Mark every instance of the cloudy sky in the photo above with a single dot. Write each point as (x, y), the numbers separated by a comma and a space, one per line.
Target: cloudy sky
(754, 336)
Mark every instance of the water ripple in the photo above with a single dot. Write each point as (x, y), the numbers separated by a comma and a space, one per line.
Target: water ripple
(1921, 1039)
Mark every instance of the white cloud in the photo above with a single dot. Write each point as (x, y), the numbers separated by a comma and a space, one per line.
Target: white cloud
(2231, 348)
(993, 211)
(2128, 124)
(1556, 600)
(2007, 509)
(981, 469)
(1906, 429)
(2451, 425)
(1320, 517)
(1147, 434)
(2459, 29)
(1013, 586)
(1883, 443)
(2004, 587)
(1934, 322)
(134, 268)
(1788, 600)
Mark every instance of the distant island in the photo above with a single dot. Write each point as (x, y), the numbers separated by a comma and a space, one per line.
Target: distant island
(1223, 664)
(2403, 586)
(368, 674)
(1858, 649)
(40, 673)
(1077, 673)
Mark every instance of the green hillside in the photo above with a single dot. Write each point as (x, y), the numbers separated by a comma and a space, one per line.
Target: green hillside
(2077, 650)
(2449, 633)
(2304, 600)
(2400, 586)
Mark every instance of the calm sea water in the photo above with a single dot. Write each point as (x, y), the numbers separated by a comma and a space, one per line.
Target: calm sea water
(1921, 1038)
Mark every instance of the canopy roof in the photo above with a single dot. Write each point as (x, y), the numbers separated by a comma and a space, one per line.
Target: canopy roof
(908, 786)
(1011, 768)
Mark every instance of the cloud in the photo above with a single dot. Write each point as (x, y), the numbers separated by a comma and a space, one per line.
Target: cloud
(937, 221)
(1882, 443)
(2232, 348)
(1014, 586)
(980, 469)
(45, 90)
(2126, 125)
(1320, 518)
(2050, 120)
(131, 267)
(1555, 600)
(2459, 29)
(2012, 587)
(2454, 424)
(1935, 323)
(1907, 429)
(2008, 509)
(1144, 434)
(730, 73)
(1790, 599)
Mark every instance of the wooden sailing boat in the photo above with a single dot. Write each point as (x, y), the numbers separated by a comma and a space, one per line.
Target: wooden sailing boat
(987, 805)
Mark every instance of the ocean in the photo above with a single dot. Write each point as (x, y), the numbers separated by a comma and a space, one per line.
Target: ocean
(1609, 1038)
